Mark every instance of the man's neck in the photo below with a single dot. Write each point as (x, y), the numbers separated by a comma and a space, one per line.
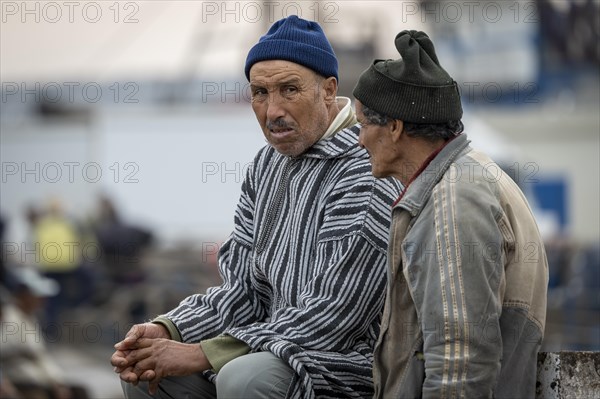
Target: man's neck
(419, 153)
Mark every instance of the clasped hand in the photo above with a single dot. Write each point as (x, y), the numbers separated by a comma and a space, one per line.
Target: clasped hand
(148, 354)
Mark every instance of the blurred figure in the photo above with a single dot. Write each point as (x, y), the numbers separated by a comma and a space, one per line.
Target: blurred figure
(2, 251)
(24, 359)
(121, 245)
(569, 31)
(5, 276)
(7, 388)
(58, 256)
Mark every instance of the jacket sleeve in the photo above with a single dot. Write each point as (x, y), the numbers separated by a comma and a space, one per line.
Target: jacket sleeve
(339, 304)
(202, 316)
(455, 270)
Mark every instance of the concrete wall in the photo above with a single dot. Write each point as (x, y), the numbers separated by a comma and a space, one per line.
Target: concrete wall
(568, 375)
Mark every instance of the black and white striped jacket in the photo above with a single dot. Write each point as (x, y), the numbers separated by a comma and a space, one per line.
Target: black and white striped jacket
(305, 269)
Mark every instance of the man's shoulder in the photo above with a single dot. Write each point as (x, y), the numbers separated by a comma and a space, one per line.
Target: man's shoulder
(342, 145)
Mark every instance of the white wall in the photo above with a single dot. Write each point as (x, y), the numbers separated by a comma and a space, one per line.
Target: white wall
(177, 171)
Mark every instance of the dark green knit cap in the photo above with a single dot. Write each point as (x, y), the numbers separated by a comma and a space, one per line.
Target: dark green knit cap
(414, 88)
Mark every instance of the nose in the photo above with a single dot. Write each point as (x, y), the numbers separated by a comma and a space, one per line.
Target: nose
(360, 139)
(275, 109)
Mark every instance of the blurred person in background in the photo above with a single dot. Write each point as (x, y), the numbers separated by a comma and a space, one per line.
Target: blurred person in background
(58, 244)
(121, 264)
(121, 244)
(2, 251)
(25, 361)
(7, 388)
(304, 270)
(466, 304)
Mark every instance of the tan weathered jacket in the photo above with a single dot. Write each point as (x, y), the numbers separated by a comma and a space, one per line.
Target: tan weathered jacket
(466, 300)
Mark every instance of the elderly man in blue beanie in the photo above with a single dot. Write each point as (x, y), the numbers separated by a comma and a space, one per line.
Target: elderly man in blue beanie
(303, 272)
(466, 300)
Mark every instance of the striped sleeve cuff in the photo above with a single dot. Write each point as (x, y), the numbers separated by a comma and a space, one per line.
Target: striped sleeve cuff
(171, 328)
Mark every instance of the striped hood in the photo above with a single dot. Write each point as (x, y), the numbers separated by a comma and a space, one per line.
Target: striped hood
(343, 144)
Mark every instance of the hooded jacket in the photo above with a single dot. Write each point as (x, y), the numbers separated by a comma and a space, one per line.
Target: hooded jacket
(304, 270)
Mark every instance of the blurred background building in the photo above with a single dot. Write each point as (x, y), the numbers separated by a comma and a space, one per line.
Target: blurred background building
(134, 116)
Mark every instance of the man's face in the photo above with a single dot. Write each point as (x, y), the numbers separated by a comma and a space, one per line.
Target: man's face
(377, 140)
(289, 102)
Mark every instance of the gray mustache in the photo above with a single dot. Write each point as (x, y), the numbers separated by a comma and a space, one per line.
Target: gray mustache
(279, 124)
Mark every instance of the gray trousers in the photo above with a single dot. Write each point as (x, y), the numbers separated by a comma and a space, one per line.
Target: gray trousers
(255, 375)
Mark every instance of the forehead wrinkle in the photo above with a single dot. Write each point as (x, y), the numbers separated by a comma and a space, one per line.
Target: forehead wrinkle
(275, 81)
(274, 72)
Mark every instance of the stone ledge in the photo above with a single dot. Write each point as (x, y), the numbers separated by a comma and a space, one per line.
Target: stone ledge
(568, 375)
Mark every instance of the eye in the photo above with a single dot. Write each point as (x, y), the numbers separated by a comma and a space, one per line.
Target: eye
(258, 92)
(289, 91)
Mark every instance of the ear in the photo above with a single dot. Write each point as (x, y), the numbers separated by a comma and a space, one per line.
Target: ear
(396, 129)
(330, 87)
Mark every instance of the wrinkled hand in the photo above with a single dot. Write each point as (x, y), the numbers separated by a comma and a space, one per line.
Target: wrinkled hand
(139, 331)
(148, 354)
(154, 359)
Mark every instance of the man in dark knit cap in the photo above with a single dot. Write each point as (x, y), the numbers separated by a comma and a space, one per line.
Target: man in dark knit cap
(303, 273)
(466, 298)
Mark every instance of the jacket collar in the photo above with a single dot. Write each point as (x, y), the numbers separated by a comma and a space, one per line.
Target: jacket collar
(418, 192)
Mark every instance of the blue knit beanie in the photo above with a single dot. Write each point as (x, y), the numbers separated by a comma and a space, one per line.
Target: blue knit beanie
(297, 40)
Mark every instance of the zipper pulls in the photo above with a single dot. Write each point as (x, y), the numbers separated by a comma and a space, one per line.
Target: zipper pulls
(275, 208)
